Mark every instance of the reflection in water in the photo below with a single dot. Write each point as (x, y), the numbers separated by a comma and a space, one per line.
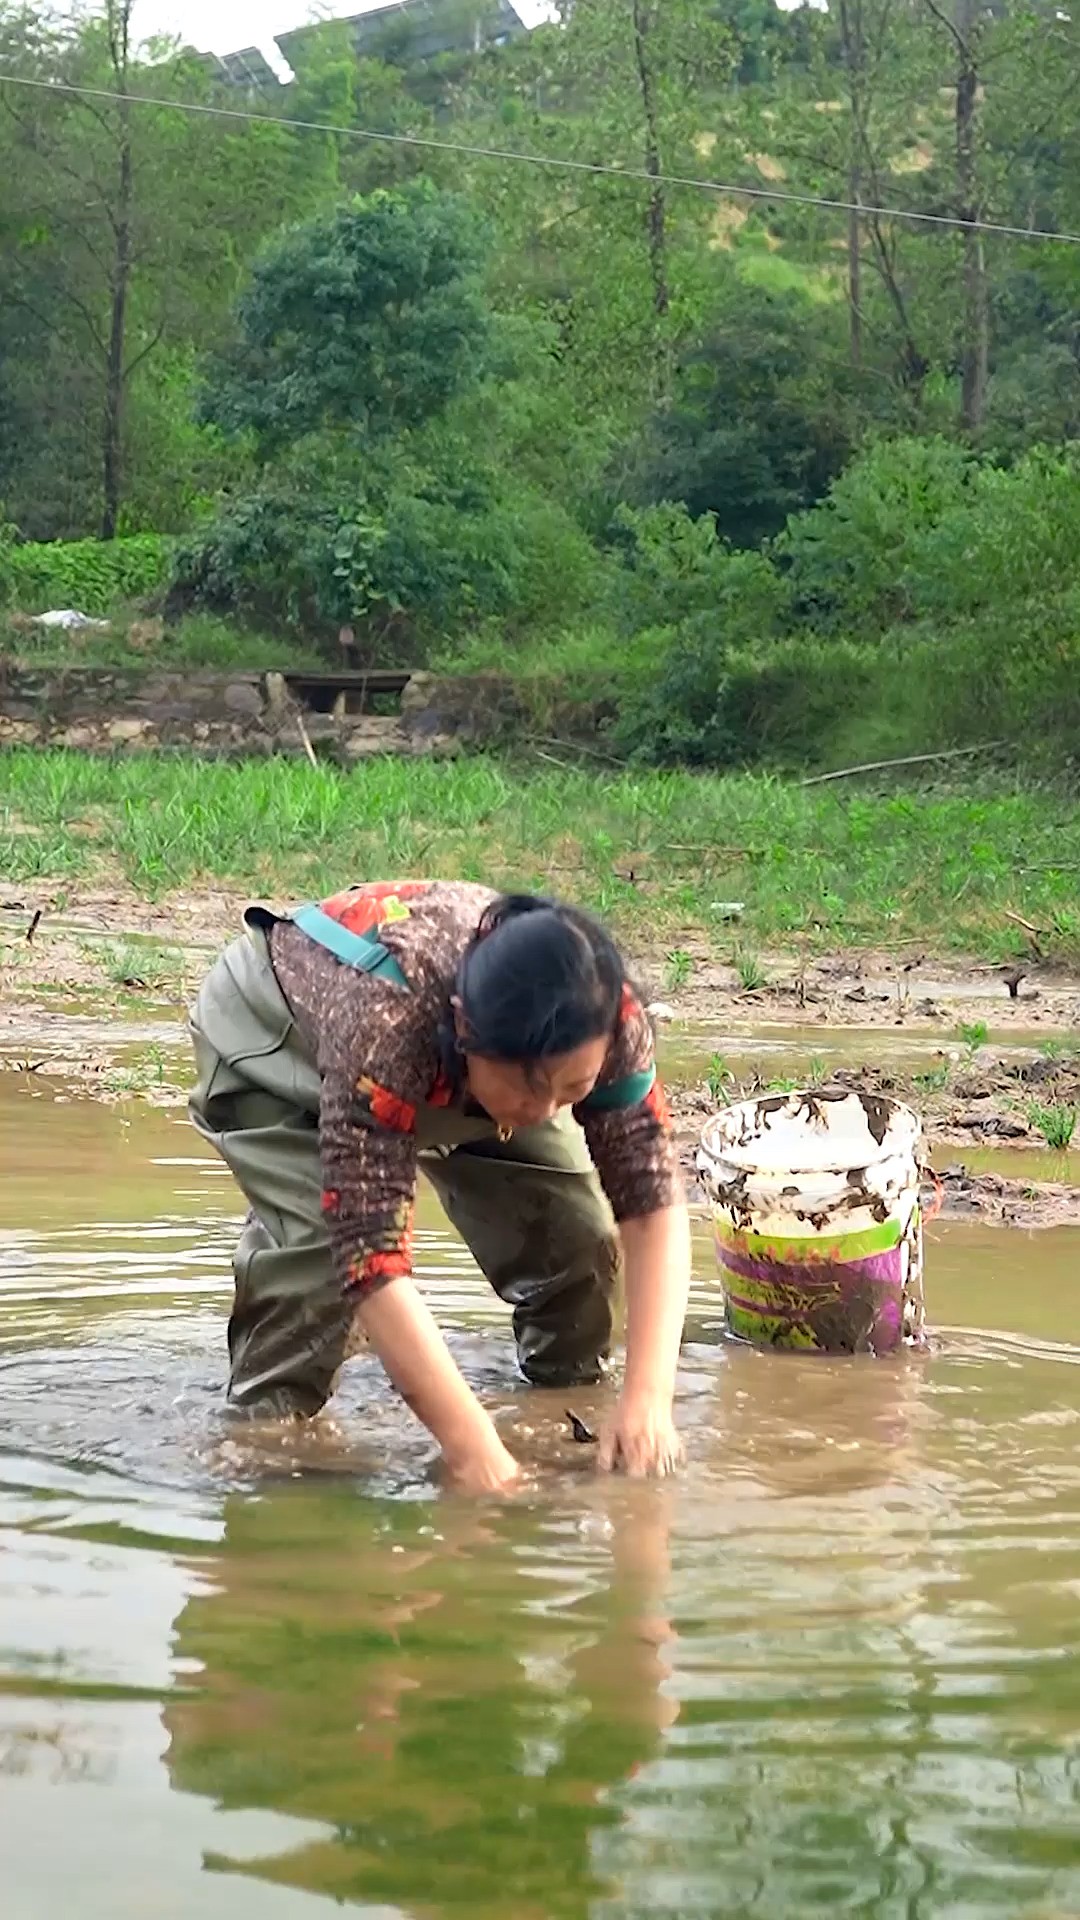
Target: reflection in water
(833, 1669)
(448, 1694)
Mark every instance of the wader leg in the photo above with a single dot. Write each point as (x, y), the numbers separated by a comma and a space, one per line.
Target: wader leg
(534, 1217)
(290, 1324)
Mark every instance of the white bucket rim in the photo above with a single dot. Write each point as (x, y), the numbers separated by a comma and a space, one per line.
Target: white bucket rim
(901, 1136)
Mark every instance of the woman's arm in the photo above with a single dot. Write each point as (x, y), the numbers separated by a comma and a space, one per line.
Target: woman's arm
(377, 1061)
(641, 1436)
(629, 1134)
(408, 1342)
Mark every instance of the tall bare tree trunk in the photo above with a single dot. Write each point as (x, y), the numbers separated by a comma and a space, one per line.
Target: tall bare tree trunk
(656, 218)
(975, 351)
(854, 257)
(112, 448)
(851, 37)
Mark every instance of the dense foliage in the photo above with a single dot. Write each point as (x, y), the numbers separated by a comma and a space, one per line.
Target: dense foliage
(90, 575)
(797, 483)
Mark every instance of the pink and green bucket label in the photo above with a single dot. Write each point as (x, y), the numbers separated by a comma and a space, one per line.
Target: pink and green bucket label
(843, 1293)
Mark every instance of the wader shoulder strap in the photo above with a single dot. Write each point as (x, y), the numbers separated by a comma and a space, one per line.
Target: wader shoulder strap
(627, 1092)
(355, 949)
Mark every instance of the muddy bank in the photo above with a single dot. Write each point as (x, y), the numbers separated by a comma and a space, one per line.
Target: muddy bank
(955, 1190)
(95, 984)
(964, 1097)
(908, 991)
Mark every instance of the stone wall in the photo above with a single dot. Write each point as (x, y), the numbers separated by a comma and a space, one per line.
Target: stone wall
(237, 715)
(233, 715)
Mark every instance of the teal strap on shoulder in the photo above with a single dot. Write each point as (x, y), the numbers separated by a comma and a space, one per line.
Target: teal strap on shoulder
(628, 1092)
(357, 950)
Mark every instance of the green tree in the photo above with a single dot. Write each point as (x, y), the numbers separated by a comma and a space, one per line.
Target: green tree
(358, 333)
(764, 413)
(367, 318)
(125, 230)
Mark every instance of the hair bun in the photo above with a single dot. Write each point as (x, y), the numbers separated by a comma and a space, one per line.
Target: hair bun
(551, 981)
(511, 906)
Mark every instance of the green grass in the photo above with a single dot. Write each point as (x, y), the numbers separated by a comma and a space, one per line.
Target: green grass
(833, 867)
(1056, 1123)
(974, 1035)
(142, 965)
(934, 1080)
(143, 1073)
(1059, 1052)
(719, 1079)
(752, 975)
(680, 965)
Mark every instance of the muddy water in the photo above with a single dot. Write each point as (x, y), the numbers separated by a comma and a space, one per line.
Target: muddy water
(834, 1669)
(687, 1049)
(1012, 1163)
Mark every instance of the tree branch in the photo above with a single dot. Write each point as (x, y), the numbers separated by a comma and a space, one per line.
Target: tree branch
(950, 27)
(908, 760)
(144, 352)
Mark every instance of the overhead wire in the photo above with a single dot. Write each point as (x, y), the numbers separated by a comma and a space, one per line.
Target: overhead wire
(602, 169)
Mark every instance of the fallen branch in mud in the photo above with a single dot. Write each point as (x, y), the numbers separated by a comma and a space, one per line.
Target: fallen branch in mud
(1040, 933)
(305, 740)
(1036, 935)
(906, 760)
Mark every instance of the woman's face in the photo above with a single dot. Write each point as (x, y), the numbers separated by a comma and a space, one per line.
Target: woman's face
(525, 1096)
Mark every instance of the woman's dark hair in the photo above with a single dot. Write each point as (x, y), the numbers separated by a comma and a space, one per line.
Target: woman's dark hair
(537, 979)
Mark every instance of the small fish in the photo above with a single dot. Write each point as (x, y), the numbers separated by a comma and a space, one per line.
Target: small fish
(579, 1430)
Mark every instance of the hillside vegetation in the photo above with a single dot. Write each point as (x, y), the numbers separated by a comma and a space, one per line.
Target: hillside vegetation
(793, 485)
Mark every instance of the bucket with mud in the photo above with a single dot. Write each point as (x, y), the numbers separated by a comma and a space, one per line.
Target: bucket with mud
(816, 1215)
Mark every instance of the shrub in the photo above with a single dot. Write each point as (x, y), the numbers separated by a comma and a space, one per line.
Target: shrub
(688, 705)
(409, 558)
(850, 558)
(1011, 538)
(91, 575)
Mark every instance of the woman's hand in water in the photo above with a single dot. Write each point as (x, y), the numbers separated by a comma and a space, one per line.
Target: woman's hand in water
(485, 1469)
(415, 1355)
(640, 1438)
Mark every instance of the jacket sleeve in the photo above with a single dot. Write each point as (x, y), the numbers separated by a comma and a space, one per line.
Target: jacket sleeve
(627, 1123)
(375, 1071)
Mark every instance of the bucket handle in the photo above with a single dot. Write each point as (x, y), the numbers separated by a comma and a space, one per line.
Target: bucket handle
(931, 1212)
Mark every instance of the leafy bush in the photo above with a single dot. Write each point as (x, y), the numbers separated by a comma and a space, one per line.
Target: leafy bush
(777, 705)
(671, 566)
(1012, 537)
(766, 411)
(1012, 675)
(710, 642)
(851, 558)
(91, 575)
(408, 555)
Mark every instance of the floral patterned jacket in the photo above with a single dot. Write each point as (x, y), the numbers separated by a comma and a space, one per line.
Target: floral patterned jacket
(378, 1049)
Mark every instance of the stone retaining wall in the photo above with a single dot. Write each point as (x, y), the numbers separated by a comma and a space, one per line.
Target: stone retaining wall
(238, 715)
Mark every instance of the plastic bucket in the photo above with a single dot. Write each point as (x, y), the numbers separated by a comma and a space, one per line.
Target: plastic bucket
(816, 1216)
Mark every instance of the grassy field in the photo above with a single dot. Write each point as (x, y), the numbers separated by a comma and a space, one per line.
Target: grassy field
(659, 853)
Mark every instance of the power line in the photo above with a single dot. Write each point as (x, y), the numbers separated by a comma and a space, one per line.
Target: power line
(550, 160)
